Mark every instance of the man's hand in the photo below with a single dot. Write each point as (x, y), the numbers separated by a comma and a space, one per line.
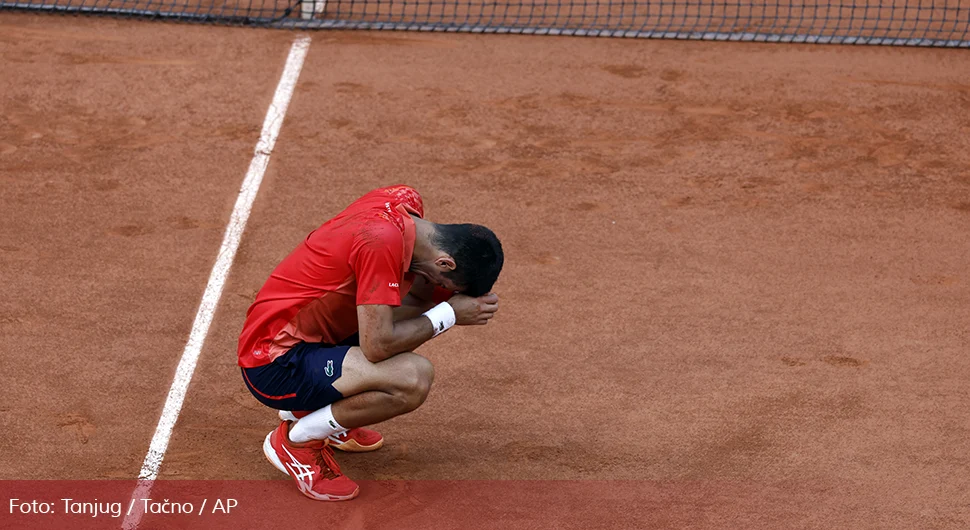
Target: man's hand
(474, 311)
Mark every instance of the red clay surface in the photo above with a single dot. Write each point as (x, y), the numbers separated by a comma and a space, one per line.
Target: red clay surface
(735, 284)
(122, 148)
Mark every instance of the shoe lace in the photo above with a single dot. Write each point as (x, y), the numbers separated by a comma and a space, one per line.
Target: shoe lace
(328, 465)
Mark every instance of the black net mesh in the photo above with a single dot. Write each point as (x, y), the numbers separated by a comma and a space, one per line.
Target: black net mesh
(899, 22)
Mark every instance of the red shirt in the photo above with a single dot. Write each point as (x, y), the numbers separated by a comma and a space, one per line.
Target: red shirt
(359, 257)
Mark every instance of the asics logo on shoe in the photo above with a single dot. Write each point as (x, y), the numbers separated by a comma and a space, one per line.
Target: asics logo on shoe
(339, 437)
(329, 369)
(303, 473)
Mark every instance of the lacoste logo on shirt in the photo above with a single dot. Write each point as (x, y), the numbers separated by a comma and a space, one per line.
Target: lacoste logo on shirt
(329, 369)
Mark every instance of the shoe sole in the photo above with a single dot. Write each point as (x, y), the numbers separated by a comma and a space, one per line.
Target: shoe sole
(353, 447)
(271, 455)
(331, 498)
(286, 415)
(350, 446)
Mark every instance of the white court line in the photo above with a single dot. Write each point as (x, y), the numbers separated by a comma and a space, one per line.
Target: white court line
(217, 279)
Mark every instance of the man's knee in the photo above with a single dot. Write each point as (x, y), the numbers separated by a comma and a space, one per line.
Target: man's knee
(414, 382)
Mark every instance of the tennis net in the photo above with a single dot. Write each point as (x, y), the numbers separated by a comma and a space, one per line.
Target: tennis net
(887, 22)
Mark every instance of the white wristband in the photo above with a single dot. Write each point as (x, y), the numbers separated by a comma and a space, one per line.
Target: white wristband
(442, 317)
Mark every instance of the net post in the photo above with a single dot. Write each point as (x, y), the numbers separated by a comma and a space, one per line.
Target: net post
(308, 8)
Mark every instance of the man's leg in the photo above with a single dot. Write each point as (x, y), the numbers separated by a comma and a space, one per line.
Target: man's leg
(373, 392)
(343, 386)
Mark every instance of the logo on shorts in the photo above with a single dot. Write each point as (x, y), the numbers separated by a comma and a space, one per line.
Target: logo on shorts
(329, 369)
(393, 284)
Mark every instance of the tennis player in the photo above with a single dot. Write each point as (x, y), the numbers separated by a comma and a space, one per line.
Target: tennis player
(329, 340)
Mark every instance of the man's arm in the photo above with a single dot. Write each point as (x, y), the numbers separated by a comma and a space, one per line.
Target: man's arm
(381, 337)
(417, 301)
(382, 342)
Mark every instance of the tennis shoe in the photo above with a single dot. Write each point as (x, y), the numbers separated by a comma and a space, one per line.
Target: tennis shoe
(311, 465)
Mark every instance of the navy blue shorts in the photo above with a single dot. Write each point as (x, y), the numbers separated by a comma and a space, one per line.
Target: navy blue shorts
(300, 379)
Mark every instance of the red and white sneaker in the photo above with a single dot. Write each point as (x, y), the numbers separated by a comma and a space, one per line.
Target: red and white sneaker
(359, 440)
(311, 465)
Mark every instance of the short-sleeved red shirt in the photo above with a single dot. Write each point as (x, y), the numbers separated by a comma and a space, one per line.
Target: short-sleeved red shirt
(359, 257)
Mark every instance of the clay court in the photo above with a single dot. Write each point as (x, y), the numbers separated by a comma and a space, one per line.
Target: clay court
(735, 292)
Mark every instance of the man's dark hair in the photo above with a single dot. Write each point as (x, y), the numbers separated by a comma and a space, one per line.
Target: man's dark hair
(477, 253)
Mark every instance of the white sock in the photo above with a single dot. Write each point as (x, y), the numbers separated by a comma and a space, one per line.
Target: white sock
(318, 425)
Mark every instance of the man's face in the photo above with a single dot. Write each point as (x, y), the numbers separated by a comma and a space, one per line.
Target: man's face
(438, 279)
(435, 273)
